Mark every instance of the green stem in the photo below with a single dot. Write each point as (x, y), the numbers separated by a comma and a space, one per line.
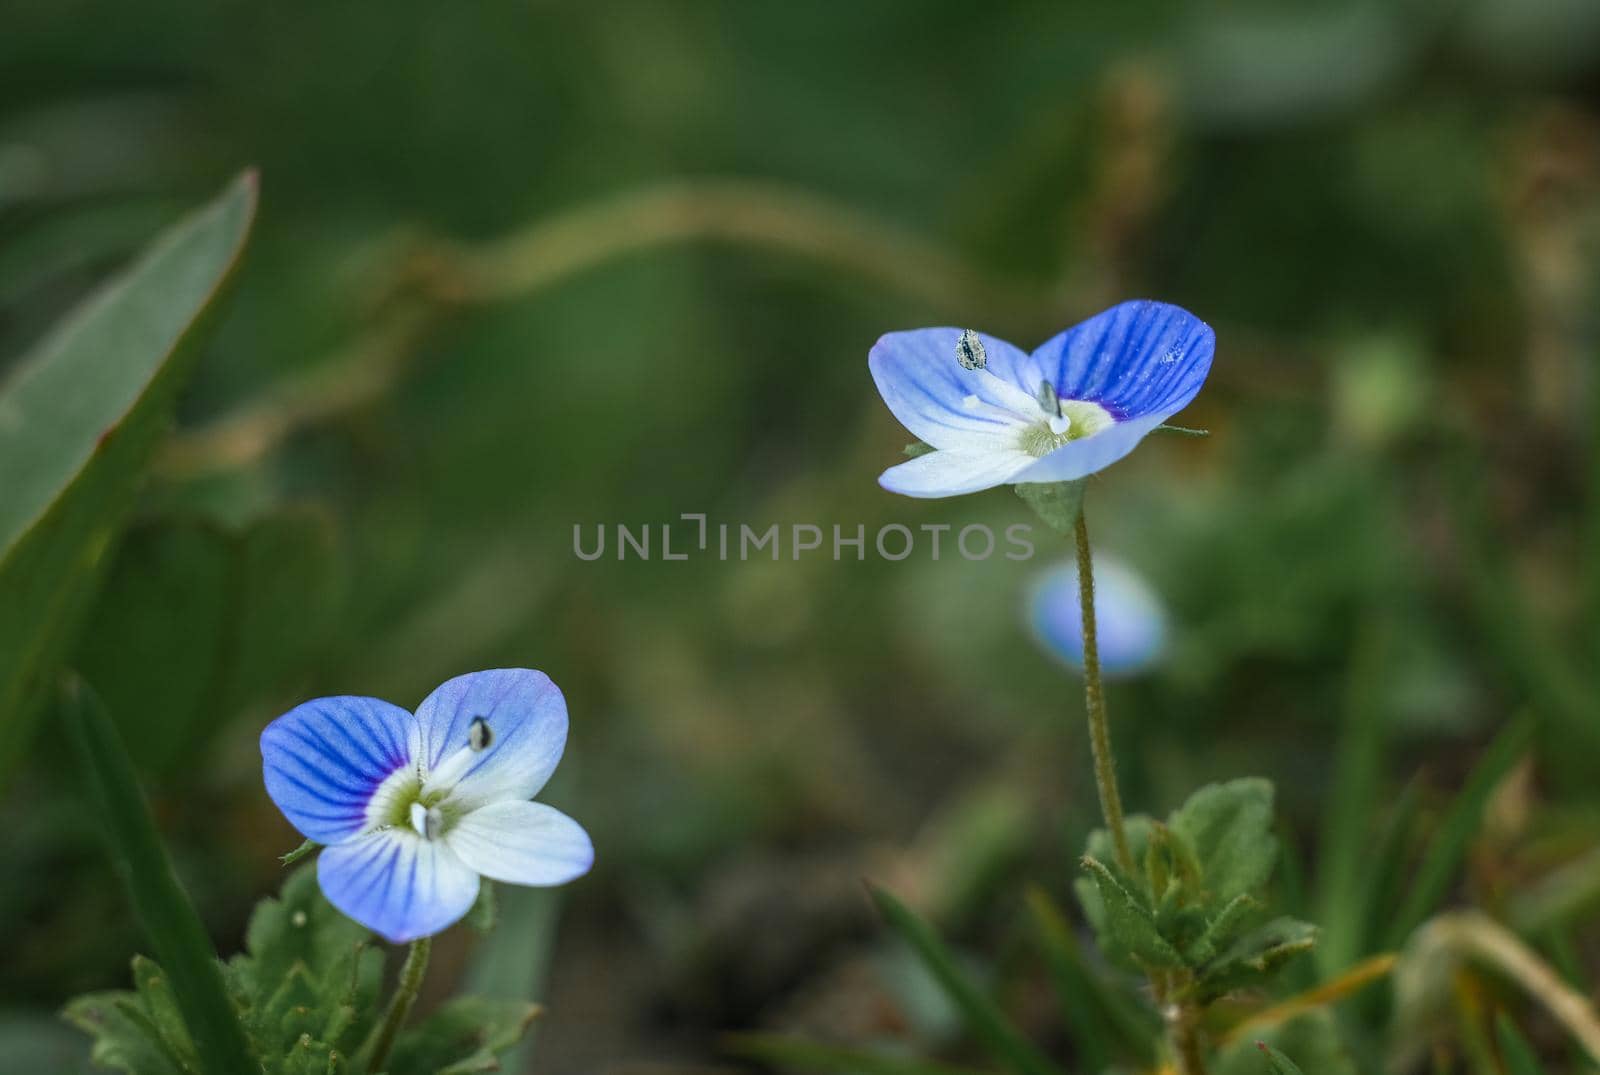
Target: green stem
(1094, 699)
(405, 995)
(1184, 1033)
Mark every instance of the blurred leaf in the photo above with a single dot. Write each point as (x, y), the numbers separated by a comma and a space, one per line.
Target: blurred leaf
(195, 620)
(1312, 1039)
(1277, 1063)
(1057, 503)
(464, 1035)
(809, 1056)
(1515, 1052)
(78, 421)
(1094, 1010)
(159, 902)
(982, 1017)
(1454, 834)
(125, 1036)
(43, 1043)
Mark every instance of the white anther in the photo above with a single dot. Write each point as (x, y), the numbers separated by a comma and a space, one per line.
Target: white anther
(479, 735)
(427, 820)
(1058, 424)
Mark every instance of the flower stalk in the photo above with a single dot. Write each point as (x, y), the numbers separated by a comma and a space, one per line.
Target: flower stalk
(405, 995)
(1105, 769)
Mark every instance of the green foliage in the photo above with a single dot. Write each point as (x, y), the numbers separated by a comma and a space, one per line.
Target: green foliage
(85, 410)
(982, 1017)
(1312, 1040)
(213, 601)
(1277, 1063)
(1515, 1052)
(1196, 906)
(801, 1055)
(465, 1035)
(1057, 503)
(159, 902)
(307, 991)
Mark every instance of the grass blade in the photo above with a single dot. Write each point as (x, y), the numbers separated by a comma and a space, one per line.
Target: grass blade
(159, 901)
(1449, 846)
(982, 1017)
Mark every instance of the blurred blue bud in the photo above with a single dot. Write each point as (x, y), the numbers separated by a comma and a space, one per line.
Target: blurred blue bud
(1131, 620)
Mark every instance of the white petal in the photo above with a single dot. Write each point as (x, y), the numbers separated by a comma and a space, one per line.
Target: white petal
(522, 843)
(527, 722)
(950, 472)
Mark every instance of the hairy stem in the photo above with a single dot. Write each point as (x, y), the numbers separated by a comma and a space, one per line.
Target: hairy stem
(1094, 699)
(405, 995)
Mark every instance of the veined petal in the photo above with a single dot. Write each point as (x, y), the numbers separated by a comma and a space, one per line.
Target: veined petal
(323, 760)
(527, 722)
(951, 472)
(1080, 458)
(397, 883)
(1137, 359)
(929, 391)
(522, 843)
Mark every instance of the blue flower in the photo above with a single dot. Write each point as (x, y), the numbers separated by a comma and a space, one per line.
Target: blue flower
(416, 808)
(996, 415)
(1130, 622)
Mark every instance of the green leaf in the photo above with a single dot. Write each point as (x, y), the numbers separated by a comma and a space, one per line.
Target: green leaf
(1093, 1009)
(1518, 1055)
(484, 912)
(515, 963)
(239, 610)
(980, 1014)
(1451, 838)
(125, 1037)
(159, 902)
(1129, 921)
(1311, 1039)
(309, 979)
(465, 1035)
(1229, 827)
(1277, 1063)
(916, 448)
(1251, 959)
(1057, 503)
(786, 1052)
(78, 422)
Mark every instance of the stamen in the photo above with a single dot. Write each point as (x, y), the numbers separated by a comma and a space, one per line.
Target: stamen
(1048, 399)
(1059, 424)
(479, 735)
(427, 820)
(970, 352)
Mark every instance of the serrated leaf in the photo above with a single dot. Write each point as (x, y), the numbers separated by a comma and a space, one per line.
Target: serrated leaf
(1251, 959)
(155, 999)
(1229, 826)
(981, 1016)
(1058, 504)
(1223, 929)
(463, 1036)
(125, 1038)
(1128, 920)
(78, 422)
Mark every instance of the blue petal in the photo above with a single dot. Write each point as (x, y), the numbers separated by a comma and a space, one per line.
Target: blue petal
(322, 761)
(522, 843)
(1137, 359)
(397, 883)
(919, 378)
(1131, 624)
(952, 472)
(527, 719)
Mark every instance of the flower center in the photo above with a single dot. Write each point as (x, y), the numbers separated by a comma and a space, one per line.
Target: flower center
(1076, 419)
(405, 798)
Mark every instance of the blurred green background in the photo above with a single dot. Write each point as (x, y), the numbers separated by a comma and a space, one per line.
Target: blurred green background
(522, 266)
